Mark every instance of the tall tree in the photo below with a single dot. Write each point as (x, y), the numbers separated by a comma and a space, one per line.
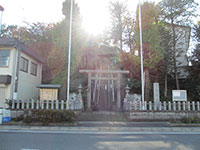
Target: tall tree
(194, 77)
(121, 25)
(177, 12)
(152, 50)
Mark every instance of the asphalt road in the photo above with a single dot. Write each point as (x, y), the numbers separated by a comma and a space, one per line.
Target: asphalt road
(85, 141)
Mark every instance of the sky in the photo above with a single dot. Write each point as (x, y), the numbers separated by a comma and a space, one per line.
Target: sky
(95, 13)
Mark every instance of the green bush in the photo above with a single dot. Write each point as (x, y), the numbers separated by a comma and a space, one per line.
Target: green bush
(50, 116)
(194, 119)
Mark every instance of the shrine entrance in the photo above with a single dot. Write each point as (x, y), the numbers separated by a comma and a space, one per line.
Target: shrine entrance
(104, 89)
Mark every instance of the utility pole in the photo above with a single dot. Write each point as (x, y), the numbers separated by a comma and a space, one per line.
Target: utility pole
(141, 55)
(69, 52)
(1, 9)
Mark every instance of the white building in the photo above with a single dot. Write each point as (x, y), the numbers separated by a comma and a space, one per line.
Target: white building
(20, 71)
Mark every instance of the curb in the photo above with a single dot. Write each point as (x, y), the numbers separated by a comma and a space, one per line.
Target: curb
(101, 129)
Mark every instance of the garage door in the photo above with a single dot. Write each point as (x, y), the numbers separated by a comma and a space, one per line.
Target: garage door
(2, 97)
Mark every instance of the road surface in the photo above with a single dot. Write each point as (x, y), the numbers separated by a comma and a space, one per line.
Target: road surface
(19, 140)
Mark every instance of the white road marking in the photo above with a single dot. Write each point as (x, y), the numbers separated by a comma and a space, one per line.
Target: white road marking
(100, 133)
(28, 149)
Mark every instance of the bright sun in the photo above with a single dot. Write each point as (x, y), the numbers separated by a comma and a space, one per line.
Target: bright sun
(95, 16)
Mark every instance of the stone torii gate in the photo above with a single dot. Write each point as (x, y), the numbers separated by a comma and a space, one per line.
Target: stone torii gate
(114, 76)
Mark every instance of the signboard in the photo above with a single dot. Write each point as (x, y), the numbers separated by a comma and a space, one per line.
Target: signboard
(179, 95)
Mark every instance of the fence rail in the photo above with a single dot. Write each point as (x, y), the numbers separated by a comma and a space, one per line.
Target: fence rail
(162, 106)
(44, 104)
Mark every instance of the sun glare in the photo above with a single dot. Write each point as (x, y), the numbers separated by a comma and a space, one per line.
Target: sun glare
(95, 15)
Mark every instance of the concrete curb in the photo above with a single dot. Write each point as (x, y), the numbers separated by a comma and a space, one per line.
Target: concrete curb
(101, 129)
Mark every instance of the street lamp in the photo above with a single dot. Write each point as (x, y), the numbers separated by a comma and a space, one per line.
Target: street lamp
(141, 55)
(1, 9)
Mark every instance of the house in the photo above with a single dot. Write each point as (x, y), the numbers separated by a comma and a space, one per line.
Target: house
(20, 71)
(182, 46)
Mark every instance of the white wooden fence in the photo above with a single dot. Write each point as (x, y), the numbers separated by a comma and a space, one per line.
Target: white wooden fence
(44, 104)
(162, 106)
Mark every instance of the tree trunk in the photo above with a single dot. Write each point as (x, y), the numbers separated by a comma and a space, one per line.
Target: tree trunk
(174, 54)
(146, 85)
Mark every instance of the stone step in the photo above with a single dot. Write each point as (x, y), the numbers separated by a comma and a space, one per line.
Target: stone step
(102, 116)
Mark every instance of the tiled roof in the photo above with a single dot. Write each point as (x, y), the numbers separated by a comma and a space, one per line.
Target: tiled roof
(20, 46)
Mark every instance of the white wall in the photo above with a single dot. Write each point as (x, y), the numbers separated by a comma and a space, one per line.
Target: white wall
(10, 70)
(27, 82)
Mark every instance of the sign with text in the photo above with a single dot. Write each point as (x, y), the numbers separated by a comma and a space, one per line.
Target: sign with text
(179, 95)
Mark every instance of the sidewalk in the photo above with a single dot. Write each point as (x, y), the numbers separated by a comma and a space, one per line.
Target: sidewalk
(106, 129)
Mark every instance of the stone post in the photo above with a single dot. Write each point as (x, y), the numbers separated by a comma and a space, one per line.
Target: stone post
(89, 91)
(118, 92)
(156, 95)
(127, 90)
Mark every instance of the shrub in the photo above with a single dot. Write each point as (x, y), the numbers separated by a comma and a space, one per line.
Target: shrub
(50, 116)
(194, 119)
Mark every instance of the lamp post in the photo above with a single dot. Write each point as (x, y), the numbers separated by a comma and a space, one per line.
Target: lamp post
(141, 55)
(69, 52)
(1, 9)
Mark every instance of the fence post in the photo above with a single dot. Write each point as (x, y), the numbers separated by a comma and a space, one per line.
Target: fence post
(67, 105)
(193, 106)
(154, 106)
(169, 106)
(13, 104)
(42, 104)
(22, 104)
(184, 106)
(52, 104)
(150, 106)
(160, 105)
(57, 104)
(174, 106)
(188, 106)
(32, 104)
(62, 104)
(179, 106)
(47, 104)
(37, 104)
(198, 106)
(18, 104)
(145, 105)
(140, 105)
(164, 105)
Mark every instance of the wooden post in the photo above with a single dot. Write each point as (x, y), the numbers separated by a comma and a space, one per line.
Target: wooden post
(118, 92)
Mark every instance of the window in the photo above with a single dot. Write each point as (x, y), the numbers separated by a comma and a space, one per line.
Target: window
(24, 64)
(33, 69)
(4, 58)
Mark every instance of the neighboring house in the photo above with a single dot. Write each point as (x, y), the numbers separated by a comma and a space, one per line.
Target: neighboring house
(182, 45)
(20, 71)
